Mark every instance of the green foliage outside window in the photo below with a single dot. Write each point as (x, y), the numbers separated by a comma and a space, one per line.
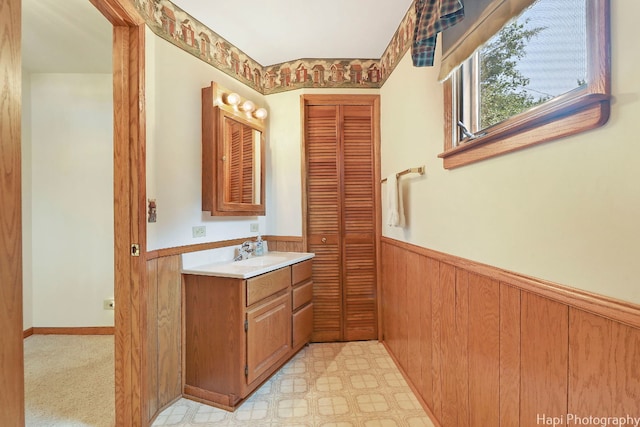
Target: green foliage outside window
(503, 91)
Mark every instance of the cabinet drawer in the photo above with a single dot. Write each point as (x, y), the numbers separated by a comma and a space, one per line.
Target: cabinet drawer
(301, 272)
(302, 326)
(267, 284)
(302, 294)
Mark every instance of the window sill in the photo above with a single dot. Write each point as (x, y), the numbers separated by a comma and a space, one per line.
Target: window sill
(568, 116)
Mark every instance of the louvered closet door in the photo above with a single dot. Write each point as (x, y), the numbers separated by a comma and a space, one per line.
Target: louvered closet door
(323, 219)
(358, 230)
(341, 220)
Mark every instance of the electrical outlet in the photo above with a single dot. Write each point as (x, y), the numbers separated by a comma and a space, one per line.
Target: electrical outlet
(109, 304)
(254, 227)
(199, 231)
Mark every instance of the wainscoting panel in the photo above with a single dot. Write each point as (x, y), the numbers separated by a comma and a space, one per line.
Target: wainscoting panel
(152, 337)
(483, 305)
(415, 271)
(544, 358)
(509, 355)
(485, 347)
(164, 333)
(624, 350)
(447, 301)
(169, 329)
(590, 368)
(604, 367)
(284, 244)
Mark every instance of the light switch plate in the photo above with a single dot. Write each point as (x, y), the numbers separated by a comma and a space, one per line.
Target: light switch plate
(254, 227)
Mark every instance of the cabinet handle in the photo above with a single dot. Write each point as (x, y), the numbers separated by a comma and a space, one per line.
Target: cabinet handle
(324, 240)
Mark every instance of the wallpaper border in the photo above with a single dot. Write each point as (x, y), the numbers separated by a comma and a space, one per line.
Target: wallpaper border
(176, 26)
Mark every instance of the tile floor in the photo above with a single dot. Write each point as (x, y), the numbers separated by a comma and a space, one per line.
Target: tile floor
(329, 385)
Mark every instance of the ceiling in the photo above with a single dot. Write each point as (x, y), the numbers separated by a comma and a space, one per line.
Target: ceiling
(276, 31)
(71, 36)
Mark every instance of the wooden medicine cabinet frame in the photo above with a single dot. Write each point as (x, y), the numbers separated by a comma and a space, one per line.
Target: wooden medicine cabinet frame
(219, 174)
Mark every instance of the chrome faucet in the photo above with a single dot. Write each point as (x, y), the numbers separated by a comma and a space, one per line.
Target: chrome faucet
(244, 251)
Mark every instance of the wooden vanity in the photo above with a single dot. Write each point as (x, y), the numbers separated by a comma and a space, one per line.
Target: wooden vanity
(240, 331)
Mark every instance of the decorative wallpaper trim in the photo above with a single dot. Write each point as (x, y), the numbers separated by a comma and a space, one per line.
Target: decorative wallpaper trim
(176, 26)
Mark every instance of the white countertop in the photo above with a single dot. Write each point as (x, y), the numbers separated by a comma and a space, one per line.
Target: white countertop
(249, 267)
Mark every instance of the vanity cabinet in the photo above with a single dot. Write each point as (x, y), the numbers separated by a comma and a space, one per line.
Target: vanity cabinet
(238, 332)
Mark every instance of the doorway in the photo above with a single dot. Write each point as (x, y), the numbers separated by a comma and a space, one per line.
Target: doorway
(67, 194)
(341, 185)
(129, 201)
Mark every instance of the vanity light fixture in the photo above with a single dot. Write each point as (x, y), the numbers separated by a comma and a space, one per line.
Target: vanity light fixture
(260, 113)
(237, 103)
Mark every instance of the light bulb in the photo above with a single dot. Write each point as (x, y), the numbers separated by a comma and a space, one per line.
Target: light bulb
(260, 113)
(232, 99)
(248, 106)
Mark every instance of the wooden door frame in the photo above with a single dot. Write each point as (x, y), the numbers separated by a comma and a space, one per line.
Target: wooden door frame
(11, 338)
(129, 129)
(129, 208)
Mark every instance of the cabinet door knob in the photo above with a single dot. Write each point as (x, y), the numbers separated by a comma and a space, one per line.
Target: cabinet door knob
(324, 240)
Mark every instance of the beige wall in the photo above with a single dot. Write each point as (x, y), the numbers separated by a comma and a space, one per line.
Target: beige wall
(284, 203)
(174, 147)
(69, 197)
(566, 211)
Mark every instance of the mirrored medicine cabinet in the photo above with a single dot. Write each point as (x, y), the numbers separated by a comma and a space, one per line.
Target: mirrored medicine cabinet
(233, 172)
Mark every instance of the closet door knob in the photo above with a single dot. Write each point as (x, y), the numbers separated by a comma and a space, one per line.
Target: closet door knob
(324, 240)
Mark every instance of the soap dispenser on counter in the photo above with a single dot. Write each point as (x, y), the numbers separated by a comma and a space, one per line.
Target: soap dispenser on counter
(259, 247)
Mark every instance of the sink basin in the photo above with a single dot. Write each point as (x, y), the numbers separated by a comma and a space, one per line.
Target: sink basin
(249, 267)
(261, 261)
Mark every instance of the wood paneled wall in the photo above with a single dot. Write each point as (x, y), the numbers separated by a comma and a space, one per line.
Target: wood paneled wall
(164, 317)
(485, 347)
(285, 243)
(164, 363)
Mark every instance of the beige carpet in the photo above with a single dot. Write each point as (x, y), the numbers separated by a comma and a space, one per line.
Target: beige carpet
(328, 385)
(69, 380)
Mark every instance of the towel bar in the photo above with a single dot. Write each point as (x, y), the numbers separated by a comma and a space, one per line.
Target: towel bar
(419, 169)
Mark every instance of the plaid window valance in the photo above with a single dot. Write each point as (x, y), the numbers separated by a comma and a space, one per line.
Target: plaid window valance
(432, 17)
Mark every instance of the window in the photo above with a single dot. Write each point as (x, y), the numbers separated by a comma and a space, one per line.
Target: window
(543, 76)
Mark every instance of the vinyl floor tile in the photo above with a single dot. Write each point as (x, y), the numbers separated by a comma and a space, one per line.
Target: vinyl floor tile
(353, 384)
